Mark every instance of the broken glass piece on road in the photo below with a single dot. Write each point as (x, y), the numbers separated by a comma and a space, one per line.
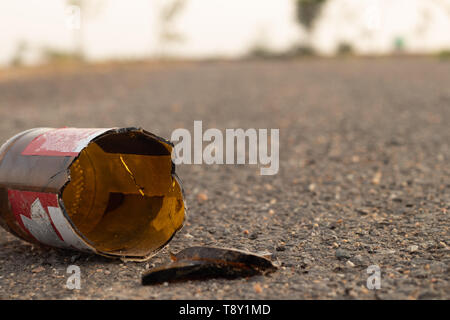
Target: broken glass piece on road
(202, 263)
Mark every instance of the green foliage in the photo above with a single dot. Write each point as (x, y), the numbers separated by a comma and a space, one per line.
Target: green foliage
(444, 54)
(307, 11)
(302, 50)
(399, 44)
(56, 56)
(260, 52)
(167, 17)
(344, 49)
(18, 56)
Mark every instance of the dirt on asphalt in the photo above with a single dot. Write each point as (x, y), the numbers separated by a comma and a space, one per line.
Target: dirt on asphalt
(364, 175)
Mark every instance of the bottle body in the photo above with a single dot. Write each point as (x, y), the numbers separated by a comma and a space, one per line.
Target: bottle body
(108, 191)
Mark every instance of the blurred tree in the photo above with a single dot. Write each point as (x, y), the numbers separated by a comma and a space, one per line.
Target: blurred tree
(344, 49)
(87, 9)
(307, 12)
(168, 13)
(18, 56)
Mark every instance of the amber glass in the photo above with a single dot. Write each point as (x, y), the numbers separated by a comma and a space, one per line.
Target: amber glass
(120, 193)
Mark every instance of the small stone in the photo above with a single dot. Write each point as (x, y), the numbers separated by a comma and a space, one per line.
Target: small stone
(257, 287)
(202, 197)
(357, 260)
(38, 269)
(342, 254)
(333, 225)
(363, 211)
(281, 248)
(377, 178)
(413, 248)
(350, 264)
(75, 258)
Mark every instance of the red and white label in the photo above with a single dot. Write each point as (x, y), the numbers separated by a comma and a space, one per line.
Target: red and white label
(39, 215)
(61, 142)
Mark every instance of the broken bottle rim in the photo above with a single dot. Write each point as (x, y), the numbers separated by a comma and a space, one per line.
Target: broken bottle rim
(111, 191)
(202, 263)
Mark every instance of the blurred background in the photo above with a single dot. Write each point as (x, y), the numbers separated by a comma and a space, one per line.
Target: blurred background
(36, 32)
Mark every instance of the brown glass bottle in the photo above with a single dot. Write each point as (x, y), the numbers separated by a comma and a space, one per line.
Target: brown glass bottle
(109, 191)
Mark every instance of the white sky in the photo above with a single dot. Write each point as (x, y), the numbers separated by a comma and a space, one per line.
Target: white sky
(129, 28)
(126, 29)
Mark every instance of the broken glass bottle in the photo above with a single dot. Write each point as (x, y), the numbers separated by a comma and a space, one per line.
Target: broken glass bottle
(109, 191)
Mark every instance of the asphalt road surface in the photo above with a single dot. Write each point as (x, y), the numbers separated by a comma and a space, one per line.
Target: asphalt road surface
(364, 175)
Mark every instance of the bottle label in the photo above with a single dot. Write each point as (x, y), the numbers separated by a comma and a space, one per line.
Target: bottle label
(62, 142)
(40, 215)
